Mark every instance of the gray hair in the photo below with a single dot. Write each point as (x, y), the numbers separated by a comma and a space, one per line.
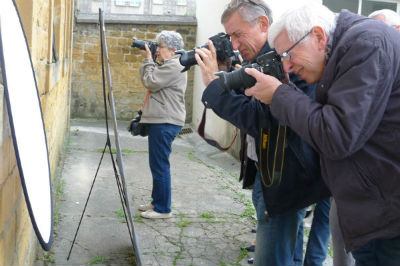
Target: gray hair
(249, 10)
(299, 21)
(172, 39)
(391, 17)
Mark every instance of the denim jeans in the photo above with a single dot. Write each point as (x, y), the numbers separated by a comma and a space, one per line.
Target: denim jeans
(318, 240)
(160, 140)
(379, 252)
(276, 237)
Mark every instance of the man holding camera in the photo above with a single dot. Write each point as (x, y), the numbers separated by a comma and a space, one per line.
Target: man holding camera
(165, 114)
(354, 123)
(292, 179)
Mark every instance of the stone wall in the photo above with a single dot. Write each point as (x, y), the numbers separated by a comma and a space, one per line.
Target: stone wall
(138, 7)
(40, 18)
(125, 61)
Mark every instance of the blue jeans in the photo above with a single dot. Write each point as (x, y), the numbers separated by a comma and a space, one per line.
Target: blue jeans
(160, 141)
(276, 238)
(379, 252)
(318, 240)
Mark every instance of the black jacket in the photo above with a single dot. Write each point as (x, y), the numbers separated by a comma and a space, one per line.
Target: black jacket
(301, 183)
(354, 124)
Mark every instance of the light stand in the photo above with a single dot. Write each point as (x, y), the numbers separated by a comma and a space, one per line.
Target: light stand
(120, 178)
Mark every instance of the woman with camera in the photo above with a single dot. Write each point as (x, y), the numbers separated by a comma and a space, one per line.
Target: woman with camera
(165, 114)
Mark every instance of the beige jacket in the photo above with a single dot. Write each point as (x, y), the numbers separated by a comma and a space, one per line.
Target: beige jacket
(167, 86)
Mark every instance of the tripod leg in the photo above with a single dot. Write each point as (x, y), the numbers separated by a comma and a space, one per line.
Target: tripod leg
(87, 200)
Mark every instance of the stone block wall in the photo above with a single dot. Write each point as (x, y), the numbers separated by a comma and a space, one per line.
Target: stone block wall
(125, 61)
(41, 19)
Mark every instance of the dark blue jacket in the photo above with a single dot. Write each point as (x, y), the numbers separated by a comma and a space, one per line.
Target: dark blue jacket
(301, 183)
(354, 124)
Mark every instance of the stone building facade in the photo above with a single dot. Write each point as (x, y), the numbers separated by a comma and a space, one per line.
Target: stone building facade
(125, 61)
(43, 21)
(122, 23)
(138, 7)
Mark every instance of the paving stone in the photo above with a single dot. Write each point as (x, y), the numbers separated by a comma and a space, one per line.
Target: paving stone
(207, 201)
(208, 226)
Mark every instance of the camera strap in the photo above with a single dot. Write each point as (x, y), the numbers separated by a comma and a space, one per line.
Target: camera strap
(146, 98)
(272, 176)
(214, 143)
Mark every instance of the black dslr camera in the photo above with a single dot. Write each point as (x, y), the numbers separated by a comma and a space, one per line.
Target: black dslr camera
(235, 59)
(136, 128)
(223, 49)
(269, 63)
(141, 45)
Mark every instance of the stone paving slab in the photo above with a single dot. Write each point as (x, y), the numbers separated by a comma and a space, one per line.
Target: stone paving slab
(212, 214)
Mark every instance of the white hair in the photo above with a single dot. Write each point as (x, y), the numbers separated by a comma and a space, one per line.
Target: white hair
(300, 20)
(391, 17)
(172, 39)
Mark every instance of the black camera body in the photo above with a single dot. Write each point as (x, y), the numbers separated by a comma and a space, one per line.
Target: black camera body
(136, 128)
(235, 59)
(269, 63)
(222, 46)
(141, 45)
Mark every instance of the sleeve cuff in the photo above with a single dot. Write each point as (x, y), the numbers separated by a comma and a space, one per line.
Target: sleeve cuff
(279, 99)
(212, 93)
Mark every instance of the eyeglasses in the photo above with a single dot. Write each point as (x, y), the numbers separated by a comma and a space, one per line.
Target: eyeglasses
(286, 55)
(160, 45)
(239, 2)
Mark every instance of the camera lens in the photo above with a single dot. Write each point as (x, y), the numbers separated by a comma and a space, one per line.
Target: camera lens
(138, 44)
(237, 79)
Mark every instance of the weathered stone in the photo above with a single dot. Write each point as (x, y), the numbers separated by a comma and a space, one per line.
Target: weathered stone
(18, 243)
(125, 62)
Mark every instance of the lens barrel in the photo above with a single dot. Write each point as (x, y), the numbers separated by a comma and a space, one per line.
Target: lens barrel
(139, 44)
(187, 58)
(237, 79)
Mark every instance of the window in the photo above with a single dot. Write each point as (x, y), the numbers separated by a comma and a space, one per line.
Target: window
(133, 3)
(338, 5)
(158, 2)
(181, 2)
(370, 6)
(363, 7)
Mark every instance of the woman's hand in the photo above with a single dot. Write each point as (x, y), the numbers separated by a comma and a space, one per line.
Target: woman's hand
(146, 53)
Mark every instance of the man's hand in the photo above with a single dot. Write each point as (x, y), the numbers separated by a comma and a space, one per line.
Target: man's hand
(146, 53)
(265, 87)
(207, 61)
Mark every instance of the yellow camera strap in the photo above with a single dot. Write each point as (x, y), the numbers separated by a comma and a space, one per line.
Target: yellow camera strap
(272, 176)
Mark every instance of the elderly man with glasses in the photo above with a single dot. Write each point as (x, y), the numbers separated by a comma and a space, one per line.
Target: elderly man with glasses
(354, 123)
(295, 172)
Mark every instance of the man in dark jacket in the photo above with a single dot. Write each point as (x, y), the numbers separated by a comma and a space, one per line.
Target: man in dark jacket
(297, 181)
(354, 123)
